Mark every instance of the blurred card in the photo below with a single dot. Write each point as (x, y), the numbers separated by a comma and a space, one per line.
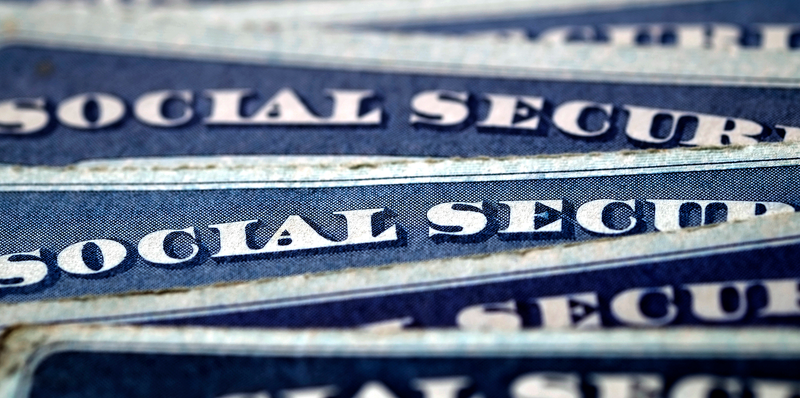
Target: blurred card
(730, 25)
(148, 362)
(84, 87)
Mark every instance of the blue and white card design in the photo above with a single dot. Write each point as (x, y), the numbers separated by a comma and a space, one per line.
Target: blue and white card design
(94, 89)
(681, 24)
(150, 362)
(748, 25)
(730, 274)
(726, 25)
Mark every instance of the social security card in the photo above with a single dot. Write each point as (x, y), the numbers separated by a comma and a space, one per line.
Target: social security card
(96, 89)
(679, 25)
(82, 232)
(147, 362)
(726, 25)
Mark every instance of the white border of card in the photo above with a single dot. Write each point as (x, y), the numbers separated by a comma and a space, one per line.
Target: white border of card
(292, 291)
(267, 16)
(255, 172)
(165, 34)
(25, 348)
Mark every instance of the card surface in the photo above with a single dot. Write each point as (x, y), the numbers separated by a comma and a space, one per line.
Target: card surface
(731, 274)
(148, 362)
(94, 89)
(748, 25)
(97, 230)
(62, 106)
(723, 25)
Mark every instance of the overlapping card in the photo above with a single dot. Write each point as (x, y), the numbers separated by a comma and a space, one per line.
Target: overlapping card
(396, 166)
(110, 362)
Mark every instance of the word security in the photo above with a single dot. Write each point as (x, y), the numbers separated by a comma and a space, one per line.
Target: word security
(457, 222)
(439, 109)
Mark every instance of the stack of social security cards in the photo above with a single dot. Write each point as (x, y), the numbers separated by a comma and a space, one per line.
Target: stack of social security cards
(390, 199)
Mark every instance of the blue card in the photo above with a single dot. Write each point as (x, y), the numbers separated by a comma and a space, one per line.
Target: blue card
(748, 25)
(63, 106)
(112, 89)
(146, 362)
(678, 25)
(89, 230)
(731, 274)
